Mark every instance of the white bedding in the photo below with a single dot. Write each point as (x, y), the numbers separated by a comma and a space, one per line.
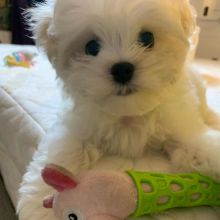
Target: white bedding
(30, 101)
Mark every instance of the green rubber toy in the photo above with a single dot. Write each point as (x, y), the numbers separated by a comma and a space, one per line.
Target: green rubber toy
(160, 192)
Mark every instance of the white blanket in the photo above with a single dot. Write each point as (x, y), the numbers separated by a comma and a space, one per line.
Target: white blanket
(30, 101)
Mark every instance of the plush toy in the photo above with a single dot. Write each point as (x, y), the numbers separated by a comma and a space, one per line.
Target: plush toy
(105, 195)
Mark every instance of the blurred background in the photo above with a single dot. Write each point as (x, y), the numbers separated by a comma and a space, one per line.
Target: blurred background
(209, 22)
(12, 25)
(13, 28)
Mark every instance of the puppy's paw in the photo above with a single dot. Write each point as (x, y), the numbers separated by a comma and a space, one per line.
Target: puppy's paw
(213, 120)
(207, 166)
(204, 162)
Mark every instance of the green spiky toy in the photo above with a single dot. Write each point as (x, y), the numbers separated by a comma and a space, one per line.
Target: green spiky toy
(160, 192)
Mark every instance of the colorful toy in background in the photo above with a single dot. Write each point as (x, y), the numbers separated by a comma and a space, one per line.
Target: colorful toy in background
(20, 59)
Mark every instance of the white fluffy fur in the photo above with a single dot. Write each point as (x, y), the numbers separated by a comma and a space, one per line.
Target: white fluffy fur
(167, 110)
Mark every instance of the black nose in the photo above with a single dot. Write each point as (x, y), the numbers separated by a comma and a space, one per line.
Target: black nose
(122, 72)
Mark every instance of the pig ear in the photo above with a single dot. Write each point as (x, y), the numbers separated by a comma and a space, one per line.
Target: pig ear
(48, 202)
(57, 177)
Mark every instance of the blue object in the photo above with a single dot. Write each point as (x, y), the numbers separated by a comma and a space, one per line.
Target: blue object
(16, 56)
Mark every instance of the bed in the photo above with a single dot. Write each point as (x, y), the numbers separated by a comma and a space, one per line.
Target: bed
(30, 102)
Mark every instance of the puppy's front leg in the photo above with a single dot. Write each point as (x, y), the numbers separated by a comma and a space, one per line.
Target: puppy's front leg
(59, 148)
(197, 146)
(200, 153)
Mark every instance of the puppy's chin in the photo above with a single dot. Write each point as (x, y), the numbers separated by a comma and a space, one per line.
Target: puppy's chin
(135, 104)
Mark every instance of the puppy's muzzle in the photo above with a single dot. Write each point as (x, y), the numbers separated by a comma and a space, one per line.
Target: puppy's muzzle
(122, 72)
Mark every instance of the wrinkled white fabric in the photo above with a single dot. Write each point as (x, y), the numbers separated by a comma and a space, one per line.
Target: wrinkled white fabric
(29, 103)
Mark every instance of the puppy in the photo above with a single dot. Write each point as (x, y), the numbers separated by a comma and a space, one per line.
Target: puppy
(124, 64)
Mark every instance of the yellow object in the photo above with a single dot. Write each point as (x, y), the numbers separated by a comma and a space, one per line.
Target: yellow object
(10, 61)
(3, 3)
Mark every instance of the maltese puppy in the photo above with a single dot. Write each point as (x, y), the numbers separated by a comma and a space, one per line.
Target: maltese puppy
(124, 63)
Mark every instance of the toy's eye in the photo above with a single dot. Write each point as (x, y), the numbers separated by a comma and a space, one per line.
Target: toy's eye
(92, 48)
(146, 39)
(73, 216)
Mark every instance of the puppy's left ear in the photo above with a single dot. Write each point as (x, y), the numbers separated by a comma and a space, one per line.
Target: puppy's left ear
(187, 16)
(40, 19)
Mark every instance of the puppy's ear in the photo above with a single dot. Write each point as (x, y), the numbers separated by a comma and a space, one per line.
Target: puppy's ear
(40, 19)
(187, 16)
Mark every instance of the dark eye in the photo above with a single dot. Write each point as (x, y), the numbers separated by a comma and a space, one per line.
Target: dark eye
(146, 39)
(72, 216)
(92, 48)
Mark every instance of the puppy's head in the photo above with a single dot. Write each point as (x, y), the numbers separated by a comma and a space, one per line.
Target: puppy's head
(116, 54)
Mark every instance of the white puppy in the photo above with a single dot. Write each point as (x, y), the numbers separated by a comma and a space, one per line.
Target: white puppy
(123, 62)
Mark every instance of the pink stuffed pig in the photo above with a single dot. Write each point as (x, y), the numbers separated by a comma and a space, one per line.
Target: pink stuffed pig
(95, 195)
